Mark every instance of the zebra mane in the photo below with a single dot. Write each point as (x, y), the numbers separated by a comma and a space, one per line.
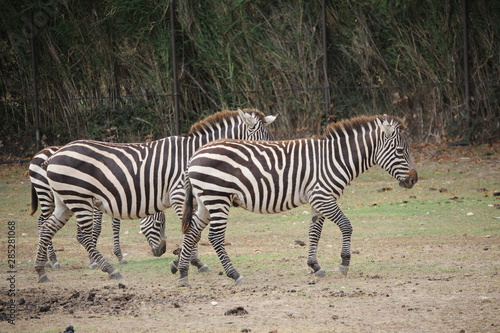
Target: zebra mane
(359, 122)
(218, 118)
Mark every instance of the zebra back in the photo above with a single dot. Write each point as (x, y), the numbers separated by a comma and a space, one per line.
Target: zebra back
(274, 176)
(134, 180)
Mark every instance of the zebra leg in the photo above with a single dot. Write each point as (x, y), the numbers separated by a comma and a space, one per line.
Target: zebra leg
(47, 231)
(96, 232)
(189, 243)
(332, 212)
(85, 222)
(116, 241)
(195, 261)
(315, 228)
(52, 263)
(216, 237)
(178, 201)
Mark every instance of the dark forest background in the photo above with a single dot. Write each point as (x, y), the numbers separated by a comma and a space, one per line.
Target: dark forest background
(104, 68)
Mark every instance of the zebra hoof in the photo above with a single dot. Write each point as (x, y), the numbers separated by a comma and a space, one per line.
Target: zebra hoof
(115, 275)
(183, 282)
(48, 265)
(93, 265)
(343, 269)
(43, 279)
(173, 267)
(320, 273)
(202, 269)
(56, 265)
(123, 262)
(239, 281)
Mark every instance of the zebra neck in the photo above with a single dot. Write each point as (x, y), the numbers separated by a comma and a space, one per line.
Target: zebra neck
(199, 139)
(351, 153)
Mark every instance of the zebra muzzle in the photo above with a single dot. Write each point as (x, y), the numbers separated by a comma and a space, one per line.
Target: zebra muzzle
(162, 247)
(409, 181)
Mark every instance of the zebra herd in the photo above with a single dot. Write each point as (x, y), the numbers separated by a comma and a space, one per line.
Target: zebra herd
(228, 159)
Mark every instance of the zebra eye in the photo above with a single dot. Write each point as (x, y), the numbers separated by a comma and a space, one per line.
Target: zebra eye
(399, 151)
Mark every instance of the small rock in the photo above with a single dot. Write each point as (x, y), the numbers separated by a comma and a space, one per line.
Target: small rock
(299, 242)
(236, 311)
(470, 214)
(45, 308)
(121, 286)
(91, 296)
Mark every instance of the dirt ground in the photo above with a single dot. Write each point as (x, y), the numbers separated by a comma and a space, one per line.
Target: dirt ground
(408, 301)
(463, 296)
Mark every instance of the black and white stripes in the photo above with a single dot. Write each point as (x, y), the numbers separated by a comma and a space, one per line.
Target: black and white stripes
(130, 181)
(271, 177)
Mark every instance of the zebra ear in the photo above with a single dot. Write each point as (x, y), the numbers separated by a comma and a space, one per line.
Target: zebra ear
(247, 118)
(387, 127)
(270, 119)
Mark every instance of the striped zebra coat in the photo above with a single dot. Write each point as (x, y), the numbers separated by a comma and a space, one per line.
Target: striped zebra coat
(271, 177)
(131, 181)
(153, 227)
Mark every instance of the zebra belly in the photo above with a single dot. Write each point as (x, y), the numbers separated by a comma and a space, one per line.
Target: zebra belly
(270, 204)
(266, 209)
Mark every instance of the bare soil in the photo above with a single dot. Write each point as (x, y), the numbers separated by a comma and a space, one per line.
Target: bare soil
(404, 301)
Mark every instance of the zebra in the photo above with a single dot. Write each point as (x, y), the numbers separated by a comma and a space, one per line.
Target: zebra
(272, 177)
(153, 228)
(131, 181)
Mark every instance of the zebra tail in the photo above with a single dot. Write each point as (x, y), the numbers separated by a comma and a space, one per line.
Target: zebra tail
(34, 200)
(187, 212)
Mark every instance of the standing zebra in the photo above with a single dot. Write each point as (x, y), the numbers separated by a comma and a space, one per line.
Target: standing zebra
(153, 228)
(271, 177)
(131, 181)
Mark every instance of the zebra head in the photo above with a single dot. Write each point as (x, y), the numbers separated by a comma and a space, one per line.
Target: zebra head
(394, 152)
(153, 227)
(256, 124)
